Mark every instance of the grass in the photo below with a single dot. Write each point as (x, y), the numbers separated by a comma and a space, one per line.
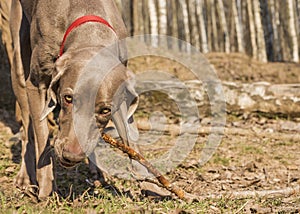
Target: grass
(85, 199)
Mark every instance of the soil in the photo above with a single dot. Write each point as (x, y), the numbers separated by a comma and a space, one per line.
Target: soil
(256, 153)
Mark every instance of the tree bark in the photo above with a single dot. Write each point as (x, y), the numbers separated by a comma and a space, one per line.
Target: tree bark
(215, 41)
(185, 17)
(252, 29)
(298, 14)
(262, 55)
(223, 22)
(194, 30)
(138, 25)
(153, 22)
(275, 23)
(238, 28)
(202, 29)
(146, 18)
(162, 7)
(292, 31)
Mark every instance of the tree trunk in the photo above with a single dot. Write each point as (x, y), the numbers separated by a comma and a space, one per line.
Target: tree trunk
(252, 29)
(276, 38)
(223, 22)
(282, 27)
(194, 30)
(208, 23)
(180, 24)
(199, 12)
(172, 23)
(215, 39)
(185, 17)
(162, 7)
(153, 22)
(262, 55)
(138, 24)
(292, 31)
(298, 13)
(238, 28)
(146, 20)
(232, 31)
(240, 12)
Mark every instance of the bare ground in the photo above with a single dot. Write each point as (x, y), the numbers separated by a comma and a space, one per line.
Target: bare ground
(258, 152)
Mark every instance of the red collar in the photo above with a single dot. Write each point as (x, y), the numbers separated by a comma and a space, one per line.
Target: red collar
(78, 22)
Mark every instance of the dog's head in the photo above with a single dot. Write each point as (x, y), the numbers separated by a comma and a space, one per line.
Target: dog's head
(115, 99)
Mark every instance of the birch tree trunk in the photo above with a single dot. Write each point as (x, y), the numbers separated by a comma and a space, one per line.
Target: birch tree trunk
(208, 23)
(172, 28)
(240, 13)
(153, 22)
(298, 13)
(185, 17)
(214, 27)
(138, 24)
(180, 24)
(172, 21)
(285, 49)
(199, 12)
(162, 8)
(252, 29)
(275, 24)
(223, 22)
(262, 55)
(193, 22)
(232, 31)
(292, 31)
(146, 19)
(239, 36)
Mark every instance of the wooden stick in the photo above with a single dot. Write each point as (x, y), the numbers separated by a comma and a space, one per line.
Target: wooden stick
(191, 197)
(138, 157)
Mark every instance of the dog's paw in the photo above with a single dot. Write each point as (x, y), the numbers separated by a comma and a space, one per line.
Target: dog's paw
(22, 180)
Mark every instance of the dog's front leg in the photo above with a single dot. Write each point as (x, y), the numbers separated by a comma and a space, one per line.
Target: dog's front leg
(27, 174)
(44, 167)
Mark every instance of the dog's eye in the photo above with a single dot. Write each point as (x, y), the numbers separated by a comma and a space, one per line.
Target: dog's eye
(105, 111)
(68, 99)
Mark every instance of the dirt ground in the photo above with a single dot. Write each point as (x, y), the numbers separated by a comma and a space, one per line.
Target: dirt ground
(258, 152)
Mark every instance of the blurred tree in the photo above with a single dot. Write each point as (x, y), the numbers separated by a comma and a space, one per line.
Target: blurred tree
(292, 31)
(223, 23)
(264, 29)
(252, 29)
(238, 28)
(262, 55)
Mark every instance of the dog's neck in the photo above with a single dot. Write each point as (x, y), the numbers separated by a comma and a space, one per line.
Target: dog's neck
(90, 35)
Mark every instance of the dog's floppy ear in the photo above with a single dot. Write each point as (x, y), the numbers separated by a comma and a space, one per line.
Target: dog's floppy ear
(51, 101)
(123, 114)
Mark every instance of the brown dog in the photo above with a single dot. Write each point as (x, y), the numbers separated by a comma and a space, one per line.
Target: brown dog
(49, 57)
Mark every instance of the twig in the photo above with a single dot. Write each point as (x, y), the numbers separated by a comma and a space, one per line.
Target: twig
(286, 192)
(191, 197)
(242, 207)
(138, 157)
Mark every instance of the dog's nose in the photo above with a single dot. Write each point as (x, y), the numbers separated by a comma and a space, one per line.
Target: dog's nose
(71, 158)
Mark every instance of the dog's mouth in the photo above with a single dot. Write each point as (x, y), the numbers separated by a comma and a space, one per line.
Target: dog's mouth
(66, 159)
